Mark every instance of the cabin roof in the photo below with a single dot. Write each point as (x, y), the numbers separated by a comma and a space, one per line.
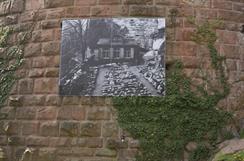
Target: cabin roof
(103, 41)
(107, 41)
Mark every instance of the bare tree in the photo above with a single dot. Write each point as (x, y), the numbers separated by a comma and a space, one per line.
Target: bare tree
(74, 43)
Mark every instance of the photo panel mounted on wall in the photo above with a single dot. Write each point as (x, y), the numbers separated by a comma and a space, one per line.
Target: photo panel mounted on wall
(113, 57)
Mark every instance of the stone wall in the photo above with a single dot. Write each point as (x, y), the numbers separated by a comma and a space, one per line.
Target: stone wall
(42, 126)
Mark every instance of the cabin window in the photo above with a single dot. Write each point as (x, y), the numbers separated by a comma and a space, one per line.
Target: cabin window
(105, 53)
(128, 53)
(117, 40)
(116, 52)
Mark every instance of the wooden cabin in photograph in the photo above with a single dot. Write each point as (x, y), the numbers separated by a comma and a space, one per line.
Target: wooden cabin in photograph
(118, 50)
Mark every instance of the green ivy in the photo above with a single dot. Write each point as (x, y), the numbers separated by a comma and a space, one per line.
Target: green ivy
(202, 153)
(238, 156)
(242, 134)
(11, 58)
(188, 113)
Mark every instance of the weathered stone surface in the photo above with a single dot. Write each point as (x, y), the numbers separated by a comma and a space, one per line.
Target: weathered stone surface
(59, 142)
(53, 100)
(11, 6)
(184, 35)
(26, 113)
(222, 4)
(110, 129)
(39, 62)
(46, 85)
(11, 127)
(3, 140)
(228, 37)
(84, 152)
(50, 128)
(4, 7)
(79, 142)
(32, 49)
(85, 100)
(46, 154)
(47, 113)
(43, 35)
(238, 7)
(78, 11)
(184, 48)
(90, 129)
(14, 90)
(231, 64)
(19, 153)
(56, 13)
(30, 128)
(17, 6)
(52, 72)
(28, 16)
(37, 141)
(229, 147)
(8, 20)
(190, 62)
(230, 15)
(36, 73)
(116, 144)
(106, 10)
(109, 2)
(106, 153)
(21, 73)
(53, 61)
(94, 142)
(26, 86)
(34, 4)
(70, 129)
(78, 113)
(33, 100)
(48, 24)
(72, 113)
(16, 140)
(7, 112)
(65, 113)
(57, 3)
(16, 101)
(85, 3)
(230, 51)
(196, 3)
(137, 10)
(50, 48)
(98, 113)
(168, 2)
(71, 100)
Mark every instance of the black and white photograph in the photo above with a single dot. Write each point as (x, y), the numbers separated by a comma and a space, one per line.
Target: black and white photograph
(113, 57)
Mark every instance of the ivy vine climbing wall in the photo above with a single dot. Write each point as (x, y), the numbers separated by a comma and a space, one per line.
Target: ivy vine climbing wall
(187, 115)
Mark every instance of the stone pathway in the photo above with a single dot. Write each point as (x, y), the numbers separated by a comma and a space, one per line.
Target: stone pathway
(100, 82)
(149, 86)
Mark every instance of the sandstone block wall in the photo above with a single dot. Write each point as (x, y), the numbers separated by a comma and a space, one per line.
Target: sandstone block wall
(84, 128)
